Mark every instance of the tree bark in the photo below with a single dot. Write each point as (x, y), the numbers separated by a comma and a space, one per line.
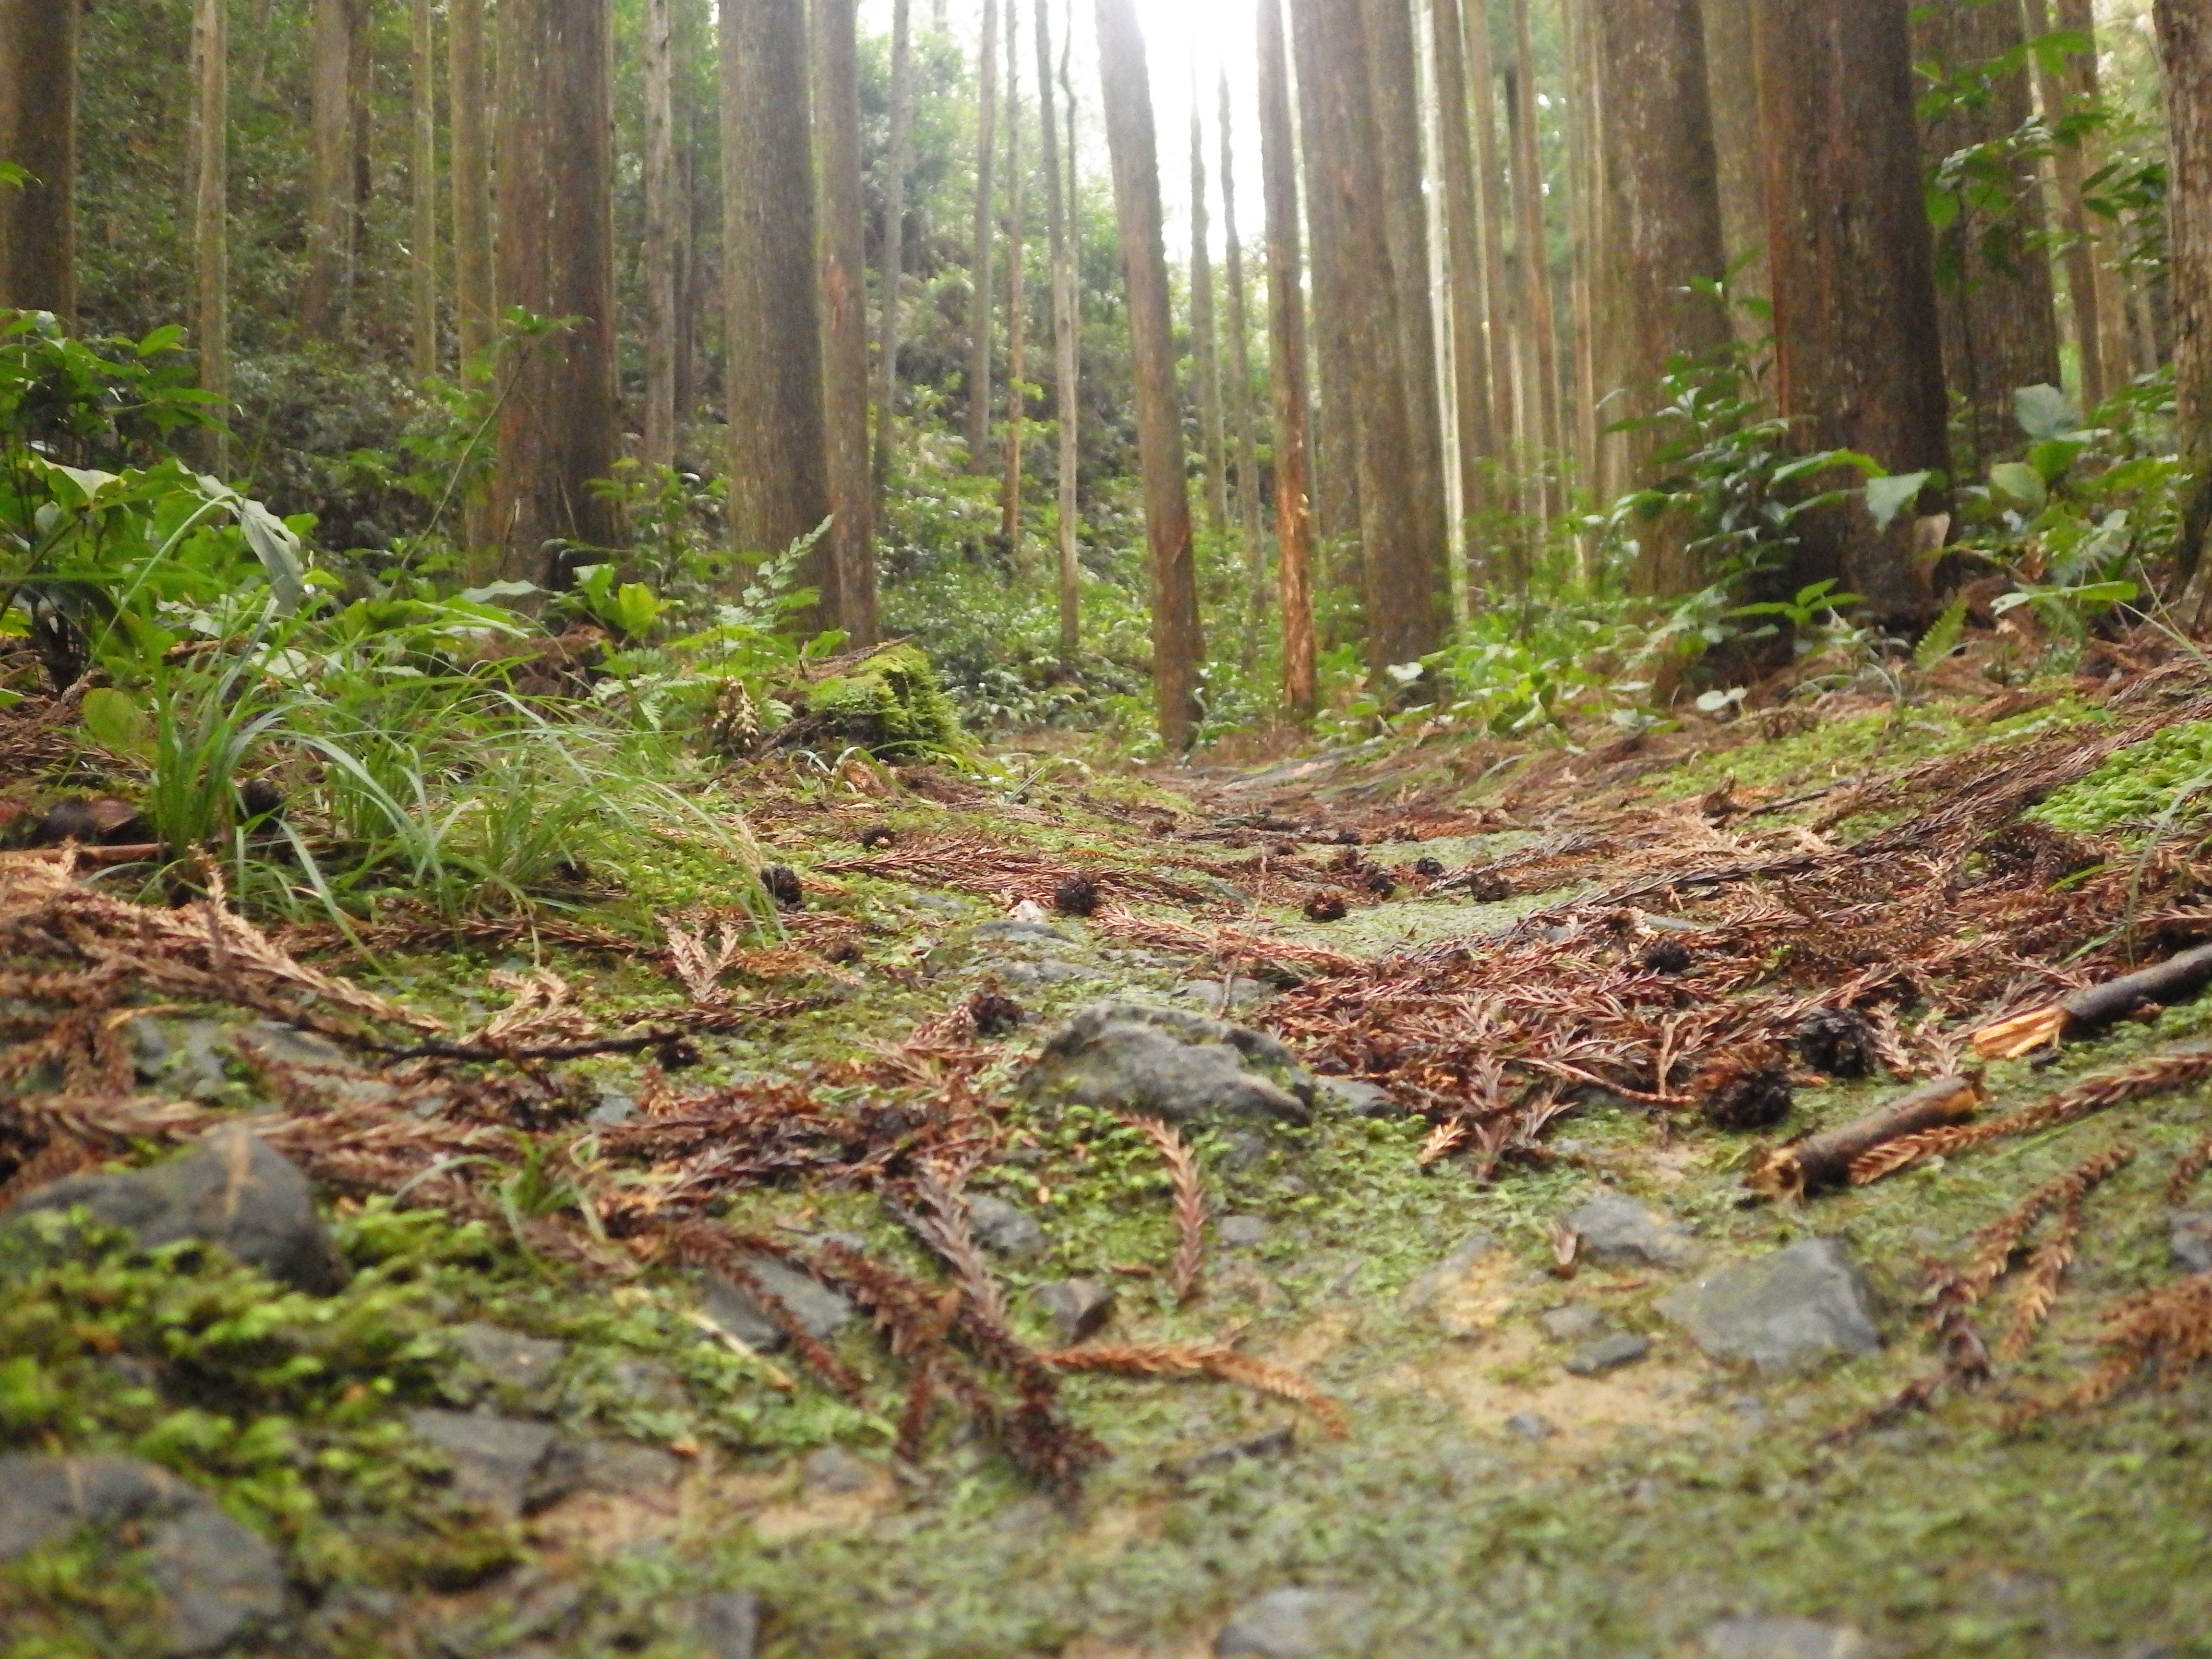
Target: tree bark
(1463, 234)
(1858, 355)
(772, 378)
(1017, 315)
(2186, 43)
(1237, 377)
(1334, 451)
(329, 171)
(1205, 353)
(468, 101)
(1592, 285)
(1732, 88)
(38, 133)
(1066, 345)
(1532, 251)
(980, 290)
(1286, 356)
(1665, 222)
(360, 112)
(845, 315)
(898, 163)
(557, 423)
(658, 446)
(1993, 278)
(211, 219)
(423, 256)
(1132, 140)
(2093, 288)
(1492, 205)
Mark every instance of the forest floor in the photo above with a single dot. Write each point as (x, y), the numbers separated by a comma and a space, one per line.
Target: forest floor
(728, 1294)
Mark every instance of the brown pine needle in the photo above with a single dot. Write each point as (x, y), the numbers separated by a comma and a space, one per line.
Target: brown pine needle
(2191, 1164)
(1190, 1202)
(1202, 1360)
(2170, 1328)
(1444, 1140)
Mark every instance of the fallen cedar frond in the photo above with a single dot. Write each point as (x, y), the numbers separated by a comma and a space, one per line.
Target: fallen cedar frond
(2169, 1328)
(1197, 1360)
(2186, 1169)
(1238, 945)
(1832, 1157)
(2066, 1196)
(944, 1225)
(1190, 1201)
(2095, 1007)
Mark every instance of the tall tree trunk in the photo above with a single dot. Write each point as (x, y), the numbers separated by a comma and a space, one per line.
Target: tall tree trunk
(1592, 289)
(1204, 353)
(1665, 220)
(897, 164)
(2185, 42)
(38, 133)
(1403, 567)
(1992, 275)
(1066, 344)
(772, 378)
(1132, 140)
(980, 291)
(691, 286)
(845, 315)
(1494, 206)
(1017, 314)
(1858, 354)
(360, 111)
(2093, 287)
(661, 208)
(557, 425)
(211, 218)
(1540, 383)
(1287, 358)
(329, 171)
(1732, 88)
(1463, 234)
(1333, 453)
(1236, 373)
(468, 101)
(424, 257)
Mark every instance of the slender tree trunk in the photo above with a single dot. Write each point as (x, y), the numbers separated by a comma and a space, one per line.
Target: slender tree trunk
(690, 288)
(1732, 87)
(661, 206)
(1591, 288)
(1205, 353)
(360, 111)
(1236, 373)
(1463, 232)
(1287, 357)
(1492, 205)
(1333, 453)
(1131, 138)
(1541, 383)
(2092, 295)
(1017, 315)
(257, 24)
(329, 171)
(211, 217)
(772, 378)
(1858, 355)
(1992, 276)
(1066, 342)
(38, 133)
(1666, 223)
(979, 271)
(424, 257)
(2185, 42)
(845, 313)
(468, 103)
(557, 425)
(898, 163)
(2079, 17)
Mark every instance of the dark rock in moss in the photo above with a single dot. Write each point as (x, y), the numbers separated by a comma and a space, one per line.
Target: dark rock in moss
(1184, 1067)
(2189, 1236)
(1358, 1097)
(1838, 1041)
(236, 1191)
(1616, 1232)
(516, 1364)
(1607, 1353)
(1790, 1309)
(506, 1466)
(1005, 1228)
(1078, 1308)
(820, 1311)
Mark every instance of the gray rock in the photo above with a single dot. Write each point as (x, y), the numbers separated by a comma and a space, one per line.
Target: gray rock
(1797, 1306)
(1783, 1638)
(1213, 997)
(1183, 1066)
(1358, 1097)
(1617, 1229)
(522, 1363)
(626, 1469)
(235, 1191)
(1608, 1354)
(1295, 1623)
(1020, 933)
(288, 1045)
(1529, 1425)
(833, 1469)
(1424, 1291)
(1244, 1150)
(186, 1055)
(216, 1576)
(1078, 1308)
(615, 1107)
(1269, 1443)
(820, 1311)
(1572, 1323)
(504, 1464)
(1003, 1227)
(725, 1624)
(2190, 1234)
(1050, 971)
(1242, 1232)
(649, 1383)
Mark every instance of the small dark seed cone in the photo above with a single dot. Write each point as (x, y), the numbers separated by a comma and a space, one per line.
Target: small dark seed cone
(1327, 905)
(782, 883)
(1430, 868)
(1838, 1041)
(1488, 887)
(1076, 896)
(1739, 1099)
(1379, 883)
(995, 1013)
(877, 835)
(1665, 957)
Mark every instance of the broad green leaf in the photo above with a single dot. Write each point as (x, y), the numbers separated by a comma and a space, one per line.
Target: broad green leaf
(2021, 481)
(278, 550)
(2053, 456)
(2042, 411)
(115, 723)
(491, 591)
(1887, 497)
(2134, 475)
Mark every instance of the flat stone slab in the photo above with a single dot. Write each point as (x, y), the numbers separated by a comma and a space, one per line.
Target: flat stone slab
(1173, 1064)
(1608, 1354)
(1783, 1638)
(506, 1465)
(1794, 1308)
(1617, 1230)
(819, 1310)
(1294, 1623)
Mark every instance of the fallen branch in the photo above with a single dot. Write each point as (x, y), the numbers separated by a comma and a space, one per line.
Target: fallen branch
(1833, 1159)
(2095, 1007)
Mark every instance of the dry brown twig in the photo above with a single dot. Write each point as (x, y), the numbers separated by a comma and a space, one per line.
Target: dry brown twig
(1198, 1360)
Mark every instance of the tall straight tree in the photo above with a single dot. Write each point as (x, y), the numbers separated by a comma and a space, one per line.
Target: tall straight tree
(1236, 382)
(330, 220)
(1205, 351)
(1017, 312)
(772, 382)
(1333, 452)
(898, 162)
(662, 205)
(468, 101)
(38, 133)
(979, 268)
(1992, 275)
(422, 181)
(843, 230)
(2093, 288)
(1493, 207)
(211, 215)
(1133, 139)
(1540, 328)
(1859, 353)
(1066, 345)
(1732, 88)
(1463, 266)
(1665, 222)
(2185, 34)
(557, 425)
(1286, 359)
